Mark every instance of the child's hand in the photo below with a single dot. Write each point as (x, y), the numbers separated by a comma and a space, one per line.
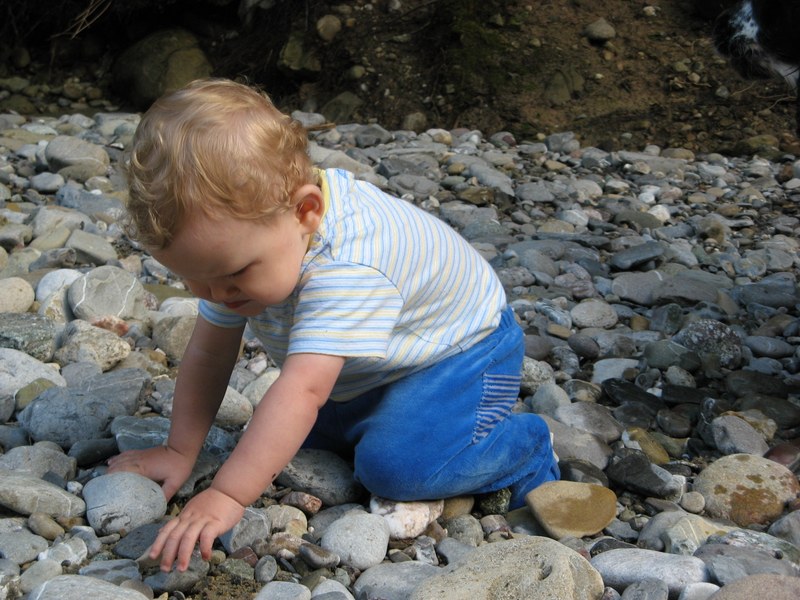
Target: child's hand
(162, 464)
(206, 516)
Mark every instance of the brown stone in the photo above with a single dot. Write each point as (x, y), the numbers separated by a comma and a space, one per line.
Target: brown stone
(746, 489)
(764, 585)
(569, 508)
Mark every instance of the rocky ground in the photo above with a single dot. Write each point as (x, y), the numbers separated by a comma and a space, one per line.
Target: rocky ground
(650, 253)
(658, 292)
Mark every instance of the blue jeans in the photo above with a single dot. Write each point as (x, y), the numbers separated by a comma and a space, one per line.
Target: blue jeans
(447, 430)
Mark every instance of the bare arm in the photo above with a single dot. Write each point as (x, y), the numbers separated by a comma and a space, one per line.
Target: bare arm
(203, 378)
(280, 424)
(205, 371)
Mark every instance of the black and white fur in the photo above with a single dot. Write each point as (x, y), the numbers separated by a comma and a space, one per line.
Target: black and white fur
(761, 38)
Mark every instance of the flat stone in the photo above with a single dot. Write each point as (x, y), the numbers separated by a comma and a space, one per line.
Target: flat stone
(623, 567)
(79, 587)
(570, 508)
(527, 567)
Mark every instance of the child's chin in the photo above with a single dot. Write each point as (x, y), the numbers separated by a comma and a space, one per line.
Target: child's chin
(248, 309)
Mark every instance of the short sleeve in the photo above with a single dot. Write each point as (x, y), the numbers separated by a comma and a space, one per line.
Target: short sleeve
(218, 315)
(345, 309)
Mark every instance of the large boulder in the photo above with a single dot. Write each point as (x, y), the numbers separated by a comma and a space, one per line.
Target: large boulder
(162, 62)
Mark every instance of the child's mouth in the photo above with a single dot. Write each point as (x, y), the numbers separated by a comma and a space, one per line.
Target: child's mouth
(235, 305)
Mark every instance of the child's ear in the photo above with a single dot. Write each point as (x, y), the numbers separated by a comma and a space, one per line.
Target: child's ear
(310, 206)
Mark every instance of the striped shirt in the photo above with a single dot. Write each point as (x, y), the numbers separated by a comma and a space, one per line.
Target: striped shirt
(383, 284)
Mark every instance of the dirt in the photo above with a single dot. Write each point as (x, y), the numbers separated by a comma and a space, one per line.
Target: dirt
(522, 66)
(658, 81)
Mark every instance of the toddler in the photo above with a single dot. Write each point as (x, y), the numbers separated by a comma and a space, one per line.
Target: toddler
(396, 347)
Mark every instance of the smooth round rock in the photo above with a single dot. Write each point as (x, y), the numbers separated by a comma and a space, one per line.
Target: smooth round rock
(360, 539)
(16, 295)
(765, 585)
(746, 489)
(571, 508)
(594, 313)
(625, 566)
(123, 501)
(79, 587)
(527, 567)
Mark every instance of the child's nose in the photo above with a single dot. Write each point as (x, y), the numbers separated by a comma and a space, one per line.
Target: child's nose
(222, 292)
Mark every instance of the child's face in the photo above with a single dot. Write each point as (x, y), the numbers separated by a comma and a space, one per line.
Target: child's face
(244, 265)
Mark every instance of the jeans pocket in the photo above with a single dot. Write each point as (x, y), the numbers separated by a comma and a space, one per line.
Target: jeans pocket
(500, 393)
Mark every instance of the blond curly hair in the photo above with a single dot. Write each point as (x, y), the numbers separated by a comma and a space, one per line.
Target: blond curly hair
(214, 146)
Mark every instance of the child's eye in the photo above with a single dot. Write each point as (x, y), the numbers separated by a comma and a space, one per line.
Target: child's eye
(237, 273)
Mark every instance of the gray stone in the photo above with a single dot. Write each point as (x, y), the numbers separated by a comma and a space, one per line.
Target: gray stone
(107, 290)
(465, 529)
(571, 443)
(21, 546)
(26, 494)
(76, 158)
(39, 459)
(90, 248)
(50, 217)
(787, 528)
(726, 563)
(122, 501)
(591, 418)
(733, 435)
(763, 585)
(179, 581)
(171, 334)
(712, 340)
(647, 589)
(640, 288)
(322, 474)
(78, 587)
(623, 567)
(83, 342)
(762, 345)
(254, 526)
(125, 386)
(634, 256)
(93, 205)
(113, 571)
(526, 567)
(39, 572)
(393, 580)
(71, 551)
(137, 541)
(360, 539)
(66, 415)
(284, 590)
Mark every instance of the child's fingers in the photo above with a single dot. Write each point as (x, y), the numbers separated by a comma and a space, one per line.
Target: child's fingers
(207, 537)
(187, 545)
(158, 544)
(176, 541)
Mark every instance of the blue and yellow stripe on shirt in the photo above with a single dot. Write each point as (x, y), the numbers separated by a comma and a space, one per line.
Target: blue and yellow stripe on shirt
(384, 284)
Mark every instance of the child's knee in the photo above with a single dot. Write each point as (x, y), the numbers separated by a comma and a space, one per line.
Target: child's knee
(390, 475)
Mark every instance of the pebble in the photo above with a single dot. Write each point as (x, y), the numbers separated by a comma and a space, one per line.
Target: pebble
(662, 348)
(360, 539)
